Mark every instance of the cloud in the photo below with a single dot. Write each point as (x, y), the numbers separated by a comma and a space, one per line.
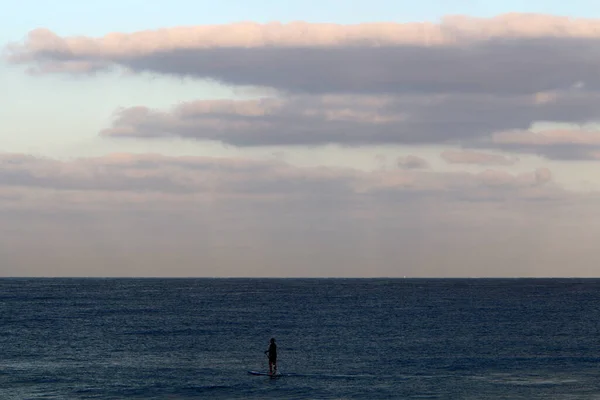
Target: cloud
(184, 176)
(542, 176)
(538, 177)
(507, 54)
(451, 30)
(560, 144)
(412, 162)
(289, 121)
(160, 177)
(464, 81)
(353, 120)
(153, 215)
(548, 137)
(474, 157)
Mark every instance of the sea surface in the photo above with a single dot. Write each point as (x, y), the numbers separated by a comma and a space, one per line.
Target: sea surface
(337, 338)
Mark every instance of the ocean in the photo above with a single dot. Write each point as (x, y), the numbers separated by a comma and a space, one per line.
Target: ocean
(336, 338)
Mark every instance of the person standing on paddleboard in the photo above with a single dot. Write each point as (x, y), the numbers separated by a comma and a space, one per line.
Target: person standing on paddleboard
(272, 354)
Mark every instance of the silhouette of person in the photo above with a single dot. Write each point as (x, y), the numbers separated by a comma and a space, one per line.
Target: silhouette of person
(272, 354)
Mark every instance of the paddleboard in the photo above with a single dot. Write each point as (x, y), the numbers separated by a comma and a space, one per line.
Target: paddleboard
(265, 374)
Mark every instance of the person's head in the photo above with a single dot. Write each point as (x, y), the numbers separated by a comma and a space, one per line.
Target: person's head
(272, 340)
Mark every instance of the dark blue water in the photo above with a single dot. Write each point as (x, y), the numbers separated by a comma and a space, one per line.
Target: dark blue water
(343, 338)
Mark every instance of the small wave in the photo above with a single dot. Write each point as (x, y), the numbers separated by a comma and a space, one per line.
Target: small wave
(540, 381)
(527, 380)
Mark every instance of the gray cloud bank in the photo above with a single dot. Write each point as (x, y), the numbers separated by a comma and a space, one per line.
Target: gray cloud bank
(469, 120)
(508, 54)
(186, 176)
(152, 215)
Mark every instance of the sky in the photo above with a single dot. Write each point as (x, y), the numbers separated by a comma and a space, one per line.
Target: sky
(448, 138)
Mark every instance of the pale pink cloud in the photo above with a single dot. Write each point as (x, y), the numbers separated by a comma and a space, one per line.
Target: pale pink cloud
(564, 144)
(548, 137)
(450, 31)
(475, 157)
